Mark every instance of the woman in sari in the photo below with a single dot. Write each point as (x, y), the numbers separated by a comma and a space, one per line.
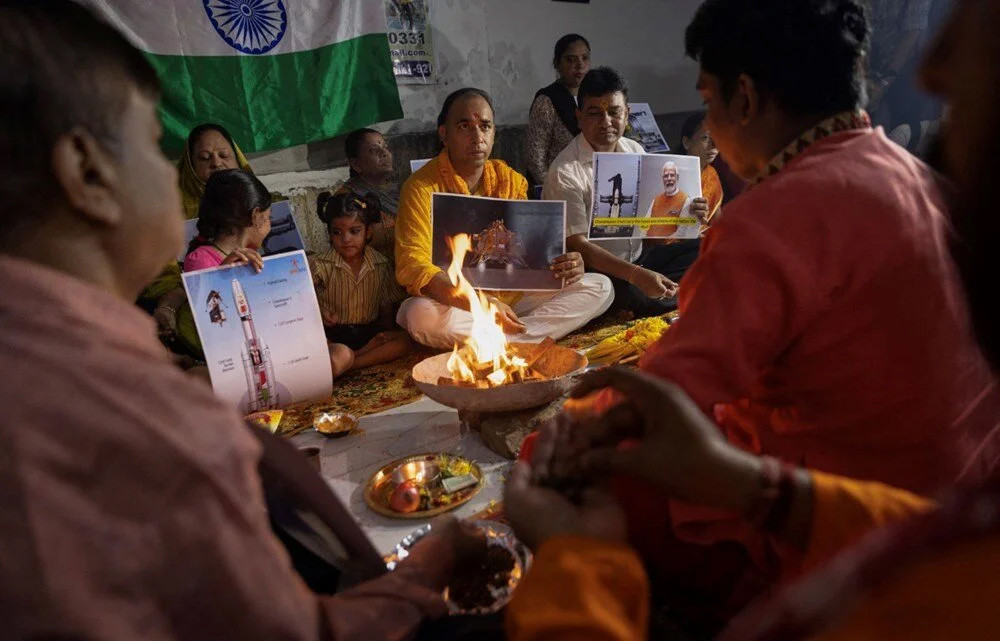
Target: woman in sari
(697, 141)
(370, 161)
(208, 148)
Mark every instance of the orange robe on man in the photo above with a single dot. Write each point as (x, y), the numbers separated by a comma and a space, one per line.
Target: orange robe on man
(823, 324)
(665, 206)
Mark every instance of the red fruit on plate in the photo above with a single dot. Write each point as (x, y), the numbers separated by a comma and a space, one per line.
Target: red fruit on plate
(405, 498)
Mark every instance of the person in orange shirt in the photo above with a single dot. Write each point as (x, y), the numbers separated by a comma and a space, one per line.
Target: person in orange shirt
(933, 577)
(696, 140)
(672, 203)
(436, 314)
(804, 326)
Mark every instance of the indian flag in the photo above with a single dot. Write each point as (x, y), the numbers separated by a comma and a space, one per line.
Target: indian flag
(276, 73)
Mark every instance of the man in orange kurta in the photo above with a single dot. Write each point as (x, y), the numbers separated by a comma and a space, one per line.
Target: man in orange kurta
(933, 579)
(823, 323)
(436, 314)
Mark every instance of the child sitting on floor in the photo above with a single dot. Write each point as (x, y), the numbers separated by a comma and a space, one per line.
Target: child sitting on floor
(235, 209)
(356, 287)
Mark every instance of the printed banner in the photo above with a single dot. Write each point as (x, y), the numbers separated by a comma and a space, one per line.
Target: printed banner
(262, 333)
(513, 241)
(409, 32)
(645, 196)
(643, 129)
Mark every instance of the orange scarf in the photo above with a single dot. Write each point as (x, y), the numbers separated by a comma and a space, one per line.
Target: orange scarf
(499, 180)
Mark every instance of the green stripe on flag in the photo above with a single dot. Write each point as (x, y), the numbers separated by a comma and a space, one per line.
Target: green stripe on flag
(277, 101)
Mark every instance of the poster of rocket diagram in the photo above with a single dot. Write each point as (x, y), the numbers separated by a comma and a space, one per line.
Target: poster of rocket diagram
(262, 333)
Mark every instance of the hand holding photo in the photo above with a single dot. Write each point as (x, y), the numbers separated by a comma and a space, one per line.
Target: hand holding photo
(261, 332)
(514, 242)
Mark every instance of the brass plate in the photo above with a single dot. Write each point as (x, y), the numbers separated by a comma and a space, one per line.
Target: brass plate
(379, 488)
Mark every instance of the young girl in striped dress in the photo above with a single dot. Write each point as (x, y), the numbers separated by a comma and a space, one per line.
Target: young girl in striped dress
(356, 288)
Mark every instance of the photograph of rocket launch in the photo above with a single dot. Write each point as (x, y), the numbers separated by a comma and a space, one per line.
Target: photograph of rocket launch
(261, 393)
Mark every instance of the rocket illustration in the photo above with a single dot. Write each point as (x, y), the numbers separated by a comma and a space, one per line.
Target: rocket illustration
(256, 358)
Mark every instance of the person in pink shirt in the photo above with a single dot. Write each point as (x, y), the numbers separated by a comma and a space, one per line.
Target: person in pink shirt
(235, 206)
(133, 507)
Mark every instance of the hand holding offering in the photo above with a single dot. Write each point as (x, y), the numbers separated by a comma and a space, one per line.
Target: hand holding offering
(679, 449)
(450, 544)
(539, 513)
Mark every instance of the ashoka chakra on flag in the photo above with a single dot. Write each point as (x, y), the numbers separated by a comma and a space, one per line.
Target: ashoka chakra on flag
(249, 26)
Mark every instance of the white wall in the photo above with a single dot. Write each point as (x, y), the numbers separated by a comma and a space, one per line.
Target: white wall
(505, 47)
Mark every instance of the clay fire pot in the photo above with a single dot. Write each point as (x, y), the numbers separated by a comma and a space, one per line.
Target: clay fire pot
(558, 364)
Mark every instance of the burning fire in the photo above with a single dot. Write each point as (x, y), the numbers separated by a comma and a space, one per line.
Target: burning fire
(484, 359)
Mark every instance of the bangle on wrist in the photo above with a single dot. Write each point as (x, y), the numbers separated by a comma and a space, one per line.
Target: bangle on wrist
(774, 504)
(631, 274)
(168, 308)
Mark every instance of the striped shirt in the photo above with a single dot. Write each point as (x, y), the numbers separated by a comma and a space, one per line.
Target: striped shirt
(354, 301)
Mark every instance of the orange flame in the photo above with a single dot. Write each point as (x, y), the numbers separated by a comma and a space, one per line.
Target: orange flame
(485, 349)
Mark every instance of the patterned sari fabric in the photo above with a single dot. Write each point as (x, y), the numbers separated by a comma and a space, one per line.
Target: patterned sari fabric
(551, 126)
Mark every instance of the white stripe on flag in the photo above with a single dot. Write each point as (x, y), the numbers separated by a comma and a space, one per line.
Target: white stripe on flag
(183, 28)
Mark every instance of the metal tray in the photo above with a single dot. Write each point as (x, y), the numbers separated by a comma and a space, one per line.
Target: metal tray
(379, 488)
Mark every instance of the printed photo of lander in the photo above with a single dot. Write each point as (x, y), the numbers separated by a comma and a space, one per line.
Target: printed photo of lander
(513, 241)
(261, 332)
(616, 197)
